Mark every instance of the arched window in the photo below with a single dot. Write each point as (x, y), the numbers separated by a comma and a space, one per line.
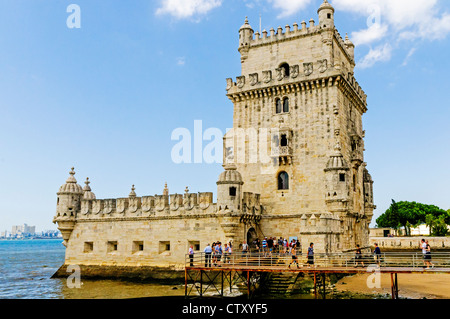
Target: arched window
(279, 106)
(283, 181)
(285, 66)
(286, 105)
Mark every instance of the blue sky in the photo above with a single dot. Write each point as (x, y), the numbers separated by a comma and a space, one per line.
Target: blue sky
(105, 98)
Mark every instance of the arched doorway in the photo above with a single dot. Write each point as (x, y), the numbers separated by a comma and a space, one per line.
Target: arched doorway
(251, 236)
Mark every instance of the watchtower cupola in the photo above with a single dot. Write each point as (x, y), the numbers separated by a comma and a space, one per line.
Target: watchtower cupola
(326, 15)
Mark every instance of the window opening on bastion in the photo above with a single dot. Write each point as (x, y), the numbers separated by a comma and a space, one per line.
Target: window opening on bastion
(283, 181)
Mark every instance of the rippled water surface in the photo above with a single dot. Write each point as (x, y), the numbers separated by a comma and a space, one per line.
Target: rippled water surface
(26, 267)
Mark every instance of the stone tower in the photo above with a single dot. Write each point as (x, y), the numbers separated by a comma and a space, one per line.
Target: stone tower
(68, 206)
(297, 135)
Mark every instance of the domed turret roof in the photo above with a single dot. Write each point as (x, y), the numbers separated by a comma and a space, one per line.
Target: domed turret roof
(71, 186)
(337, 161)
(230, 176)
(88, 194)
(246, 25)
(325, 5)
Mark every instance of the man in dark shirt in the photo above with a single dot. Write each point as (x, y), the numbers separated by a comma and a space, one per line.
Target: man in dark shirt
(270, 245)
(377, 254)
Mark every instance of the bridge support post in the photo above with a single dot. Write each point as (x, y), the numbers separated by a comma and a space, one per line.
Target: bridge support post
(394, 285)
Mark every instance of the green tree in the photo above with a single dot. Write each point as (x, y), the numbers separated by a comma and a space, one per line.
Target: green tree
(411, 214)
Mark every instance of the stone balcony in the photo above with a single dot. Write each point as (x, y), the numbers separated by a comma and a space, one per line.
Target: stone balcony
(283, 154)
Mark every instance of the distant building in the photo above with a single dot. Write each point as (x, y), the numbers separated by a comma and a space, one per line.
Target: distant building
(381, 232)
(23, 230)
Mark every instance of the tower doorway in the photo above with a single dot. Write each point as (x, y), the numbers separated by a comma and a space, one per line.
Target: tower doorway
(251, 237)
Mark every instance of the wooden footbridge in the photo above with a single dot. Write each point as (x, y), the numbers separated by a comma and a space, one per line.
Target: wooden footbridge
(213, 275)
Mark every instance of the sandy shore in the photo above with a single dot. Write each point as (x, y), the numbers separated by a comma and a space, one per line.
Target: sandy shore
(413, 286)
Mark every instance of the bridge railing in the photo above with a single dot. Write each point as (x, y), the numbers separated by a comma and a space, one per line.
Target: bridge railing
(335, 260)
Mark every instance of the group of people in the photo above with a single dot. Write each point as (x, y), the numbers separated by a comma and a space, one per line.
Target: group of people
(271, 245)
(214, 253)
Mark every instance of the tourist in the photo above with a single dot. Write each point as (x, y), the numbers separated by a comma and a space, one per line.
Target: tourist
(280, 245)
(214, 254)
(358, 256)
(264, 246)
(244, 249)
(285, 246)
(191, 256)
(423, 246)
(294, 257)
(377, 254)
(219, 253)
(270, 246)
(226, 254)
(311, 255)
(208, 252)
(428, 256)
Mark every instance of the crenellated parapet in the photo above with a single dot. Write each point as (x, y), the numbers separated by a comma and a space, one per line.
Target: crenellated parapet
(147, 206)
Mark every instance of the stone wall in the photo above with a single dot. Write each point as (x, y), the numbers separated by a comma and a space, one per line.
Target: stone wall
(410, 243)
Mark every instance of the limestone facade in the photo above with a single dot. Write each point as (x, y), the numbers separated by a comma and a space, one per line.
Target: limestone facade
(294, 163)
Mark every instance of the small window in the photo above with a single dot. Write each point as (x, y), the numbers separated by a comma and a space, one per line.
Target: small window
(286, 68)
(286, 105)
(284, 140)
(112, 246)
(342, 177)
(88, 247)
(138, 246)
(279, 106)
(164, 246)
(283, 181)
(329, 15)
(232, 191)
(195, 245)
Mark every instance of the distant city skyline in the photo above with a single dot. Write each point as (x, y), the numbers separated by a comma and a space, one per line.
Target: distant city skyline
(98, 98)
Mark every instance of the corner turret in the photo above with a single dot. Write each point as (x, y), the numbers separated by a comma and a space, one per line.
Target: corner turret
(326, 15)
(229, 190)
(68, 206)
(245, 37)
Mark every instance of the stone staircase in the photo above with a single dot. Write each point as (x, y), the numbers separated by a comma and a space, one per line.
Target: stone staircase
(281, 283)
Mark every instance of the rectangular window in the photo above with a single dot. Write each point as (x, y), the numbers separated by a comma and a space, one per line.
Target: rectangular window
(195, 245)
(138, 246)
(342, 177)
(232, 191)
(88, 247)
(111, 246)
(164, 246)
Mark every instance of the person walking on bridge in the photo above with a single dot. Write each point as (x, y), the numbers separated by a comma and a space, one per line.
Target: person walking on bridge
(428, 256)
(208, 252)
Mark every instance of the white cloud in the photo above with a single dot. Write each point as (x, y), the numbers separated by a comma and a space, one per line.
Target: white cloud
(289, 7)
(373, 33)
(379, 54)
(183, 9)
(393, 21)
(408, 57)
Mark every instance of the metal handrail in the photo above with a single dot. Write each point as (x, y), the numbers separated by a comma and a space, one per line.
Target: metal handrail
(334, 260)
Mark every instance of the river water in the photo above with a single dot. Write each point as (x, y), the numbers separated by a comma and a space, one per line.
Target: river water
(26, 267)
